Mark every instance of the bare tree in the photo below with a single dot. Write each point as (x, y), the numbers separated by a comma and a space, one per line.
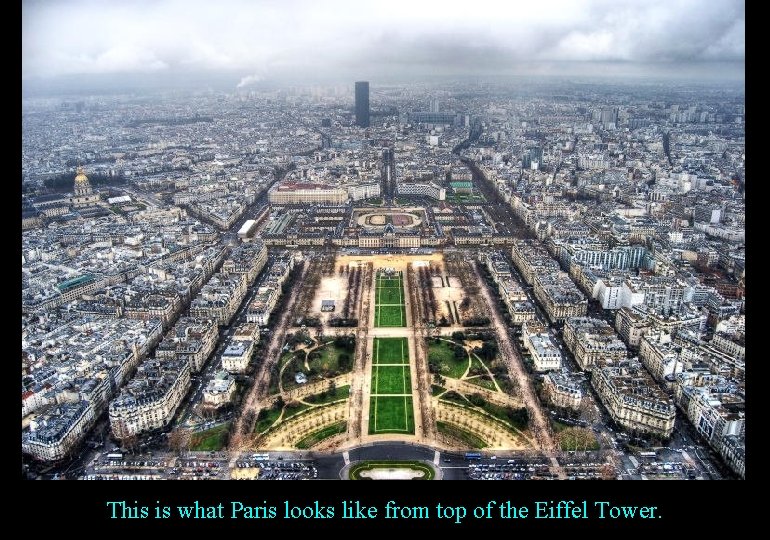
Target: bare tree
(129, 443)
(179, 440)
(608, 472)
(209, 413)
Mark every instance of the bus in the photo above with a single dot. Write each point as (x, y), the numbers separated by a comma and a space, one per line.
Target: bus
(472, 455)
(115, 457)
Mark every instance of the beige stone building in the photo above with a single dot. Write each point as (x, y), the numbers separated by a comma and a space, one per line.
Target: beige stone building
(633, 399)
(307, 193)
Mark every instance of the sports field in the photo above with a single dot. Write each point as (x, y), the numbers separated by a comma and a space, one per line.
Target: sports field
(390, 310)
(390, 408)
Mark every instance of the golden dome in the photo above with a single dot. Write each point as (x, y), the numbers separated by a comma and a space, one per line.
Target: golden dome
(81, 178)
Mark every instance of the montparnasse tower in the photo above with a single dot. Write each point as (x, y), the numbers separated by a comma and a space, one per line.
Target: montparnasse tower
(82, 185)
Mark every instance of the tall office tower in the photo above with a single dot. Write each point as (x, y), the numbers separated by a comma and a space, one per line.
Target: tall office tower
(362, 103)
(434, 105)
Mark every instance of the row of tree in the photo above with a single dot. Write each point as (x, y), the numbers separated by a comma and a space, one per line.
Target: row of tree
(428, 297)
(354, 290)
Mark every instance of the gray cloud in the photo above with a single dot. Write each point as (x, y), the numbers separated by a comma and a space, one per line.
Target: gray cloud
(275, 38)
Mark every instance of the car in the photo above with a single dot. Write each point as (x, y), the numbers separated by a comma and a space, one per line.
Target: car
(447, 460)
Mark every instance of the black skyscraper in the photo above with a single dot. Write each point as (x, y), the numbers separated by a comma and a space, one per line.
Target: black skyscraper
(362, 103)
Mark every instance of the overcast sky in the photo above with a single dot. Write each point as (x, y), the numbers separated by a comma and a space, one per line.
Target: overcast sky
(275, 39)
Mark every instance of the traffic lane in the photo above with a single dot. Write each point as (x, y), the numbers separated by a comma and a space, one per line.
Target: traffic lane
(329, 466)
(400, 451)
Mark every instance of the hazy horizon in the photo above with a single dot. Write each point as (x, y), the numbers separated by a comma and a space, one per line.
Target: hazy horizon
(237, 43)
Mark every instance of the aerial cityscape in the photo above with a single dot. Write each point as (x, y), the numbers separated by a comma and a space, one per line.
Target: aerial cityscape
(372, 271)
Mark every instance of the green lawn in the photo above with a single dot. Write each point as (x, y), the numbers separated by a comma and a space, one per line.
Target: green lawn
(324, 366)
(210, 440)
(390, 310)
(317, 436)
(293, 408)
(274, 372)
(505, 384)
(391, 351)
(454, 397)
(442, 355)
(267, 418)
(391, 380)
(391, 415)
(390, 295)
(293, 366)
(390, 316)
(456, 432)
(481, 377)
(518, 418)
(484, 382)
(342, 393)
(329, 364)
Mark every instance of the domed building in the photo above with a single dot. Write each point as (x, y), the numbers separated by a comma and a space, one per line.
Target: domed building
(82, 185)
(84, 193)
